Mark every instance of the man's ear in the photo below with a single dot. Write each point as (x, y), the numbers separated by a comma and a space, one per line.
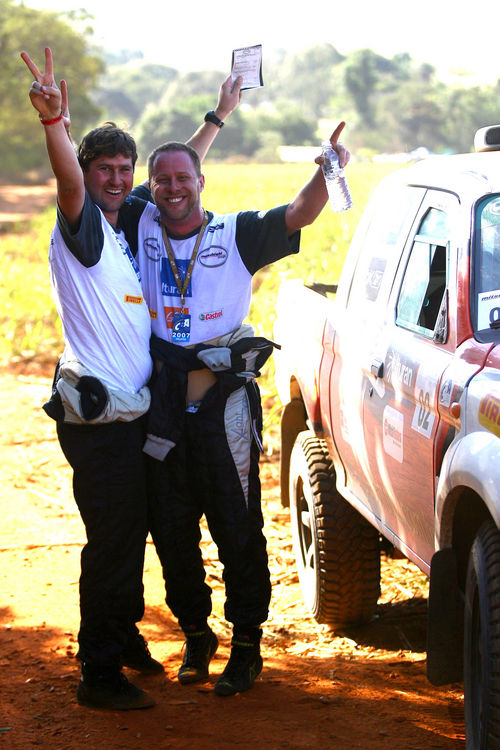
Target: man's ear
(202, 182)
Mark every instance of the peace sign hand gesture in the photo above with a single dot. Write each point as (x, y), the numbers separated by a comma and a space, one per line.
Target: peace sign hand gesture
(65, 107)
(45, 96)
(51, 104)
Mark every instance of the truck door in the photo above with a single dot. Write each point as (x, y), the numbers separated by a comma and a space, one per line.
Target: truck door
(416, 345)
(360, 312)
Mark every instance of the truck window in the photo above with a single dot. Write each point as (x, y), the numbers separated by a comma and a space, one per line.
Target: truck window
(391, 215)
(425, 278)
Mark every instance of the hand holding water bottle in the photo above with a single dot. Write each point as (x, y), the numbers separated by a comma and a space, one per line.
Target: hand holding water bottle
(332, 160)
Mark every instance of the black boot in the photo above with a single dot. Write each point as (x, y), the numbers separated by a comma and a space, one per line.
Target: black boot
(200, 646)
(136, 656)
(101, 687)
(244, 665)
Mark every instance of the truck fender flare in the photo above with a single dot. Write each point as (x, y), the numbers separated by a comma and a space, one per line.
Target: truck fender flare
(472, 461)
(293, 421)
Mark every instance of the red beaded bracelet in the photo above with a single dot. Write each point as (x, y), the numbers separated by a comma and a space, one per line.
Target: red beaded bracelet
(53, 121)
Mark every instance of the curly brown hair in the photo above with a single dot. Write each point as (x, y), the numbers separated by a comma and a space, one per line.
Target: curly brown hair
(106, 140)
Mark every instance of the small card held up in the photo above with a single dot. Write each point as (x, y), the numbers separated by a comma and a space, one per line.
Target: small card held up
(247, 62)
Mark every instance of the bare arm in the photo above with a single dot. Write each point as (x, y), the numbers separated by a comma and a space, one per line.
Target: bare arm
(202, 139)
(229, 98)
(311, 199)
(51, 102)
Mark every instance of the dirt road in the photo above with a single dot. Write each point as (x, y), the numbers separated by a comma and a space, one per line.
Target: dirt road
(363, 689)
(18, 202)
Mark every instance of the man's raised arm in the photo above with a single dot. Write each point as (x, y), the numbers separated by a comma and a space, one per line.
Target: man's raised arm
(202, 139)
(52, 107)
(229, 98)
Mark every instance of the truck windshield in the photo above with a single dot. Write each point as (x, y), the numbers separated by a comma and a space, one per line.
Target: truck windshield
(487, 264)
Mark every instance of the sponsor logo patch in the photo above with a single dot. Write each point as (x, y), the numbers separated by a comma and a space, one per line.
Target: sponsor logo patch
(168, 283)
(153, 314)
(134, 300)
(393, 427)
(445, 392)
(213, 256)
(489, 413)
(400, 372)
(374, 278)
(152, 248)
(212, 315)
(170, 312)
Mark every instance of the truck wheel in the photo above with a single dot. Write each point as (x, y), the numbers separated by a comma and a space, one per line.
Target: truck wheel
(337, 551)
(482, 642)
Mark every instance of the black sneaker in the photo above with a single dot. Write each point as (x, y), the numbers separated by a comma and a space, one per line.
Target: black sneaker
(111, 690)
(200, 648)
(244, 665)
(137, 656)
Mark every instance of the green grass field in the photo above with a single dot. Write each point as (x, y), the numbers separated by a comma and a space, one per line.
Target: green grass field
(29, 326)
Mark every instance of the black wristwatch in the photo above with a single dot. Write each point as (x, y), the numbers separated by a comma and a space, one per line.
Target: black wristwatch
(212, 117)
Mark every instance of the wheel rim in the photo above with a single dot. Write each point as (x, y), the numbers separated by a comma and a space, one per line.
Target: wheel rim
(304, 519)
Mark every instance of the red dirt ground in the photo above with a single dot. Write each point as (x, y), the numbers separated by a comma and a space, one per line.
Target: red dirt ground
(19, 202)
(362, 689)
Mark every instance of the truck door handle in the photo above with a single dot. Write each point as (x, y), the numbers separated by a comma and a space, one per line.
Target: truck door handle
(377, 368)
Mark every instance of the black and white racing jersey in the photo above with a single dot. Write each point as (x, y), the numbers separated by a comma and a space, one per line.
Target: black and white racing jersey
(217, 300)
(97, 289)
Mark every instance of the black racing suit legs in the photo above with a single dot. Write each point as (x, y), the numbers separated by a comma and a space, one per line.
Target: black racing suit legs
(202, 475)
(109, 485)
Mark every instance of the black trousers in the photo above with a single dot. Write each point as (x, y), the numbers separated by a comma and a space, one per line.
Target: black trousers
(109, 485)
(200, 476)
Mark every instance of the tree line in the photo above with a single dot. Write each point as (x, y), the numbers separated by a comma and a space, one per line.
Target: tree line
(390, 104)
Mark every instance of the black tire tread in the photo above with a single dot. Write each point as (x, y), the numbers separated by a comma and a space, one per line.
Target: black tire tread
(487, 546)
(348, 546)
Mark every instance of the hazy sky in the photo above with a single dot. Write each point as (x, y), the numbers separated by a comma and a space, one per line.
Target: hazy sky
(442, 32)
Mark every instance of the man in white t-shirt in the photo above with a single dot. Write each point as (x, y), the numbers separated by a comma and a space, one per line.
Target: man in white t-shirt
(100, 392)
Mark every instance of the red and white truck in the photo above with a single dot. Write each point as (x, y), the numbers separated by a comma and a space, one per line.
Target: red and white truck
(390, 431)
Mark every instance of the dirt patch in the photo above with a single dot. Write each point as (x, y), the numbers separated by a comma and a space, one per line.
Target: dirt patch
(18, 202)
(366, 688)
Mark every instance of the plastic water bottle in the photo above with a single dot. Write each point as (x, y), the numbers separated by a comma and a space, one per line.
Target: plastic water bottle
(336, 184)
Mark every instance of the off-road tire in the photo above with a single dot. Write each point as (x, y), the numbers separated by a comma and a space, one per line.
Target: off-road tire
(336, 550)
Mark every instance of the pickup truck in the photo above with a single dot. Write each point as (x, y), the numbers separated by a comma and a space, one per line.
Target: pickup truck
(390, 428)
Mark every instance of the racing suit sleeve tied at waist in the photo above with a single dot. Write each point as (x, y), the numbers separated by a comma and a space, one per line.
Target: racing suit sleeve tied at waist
(234, 364)
(80, 398)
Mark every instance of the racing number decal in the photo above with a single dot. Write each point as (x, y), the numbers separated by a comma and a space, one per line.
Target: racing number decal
(423, 416)
(488, 310)
(494, 316)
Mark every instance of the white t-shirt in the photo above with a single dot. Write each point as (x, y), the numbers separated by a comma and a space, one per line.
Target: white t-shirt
(217, 299)
(97, 289)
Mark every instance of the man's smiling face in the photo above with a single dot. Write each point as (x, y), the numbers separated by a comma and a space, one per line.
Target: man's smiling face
(176, 188)
(109, 180)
